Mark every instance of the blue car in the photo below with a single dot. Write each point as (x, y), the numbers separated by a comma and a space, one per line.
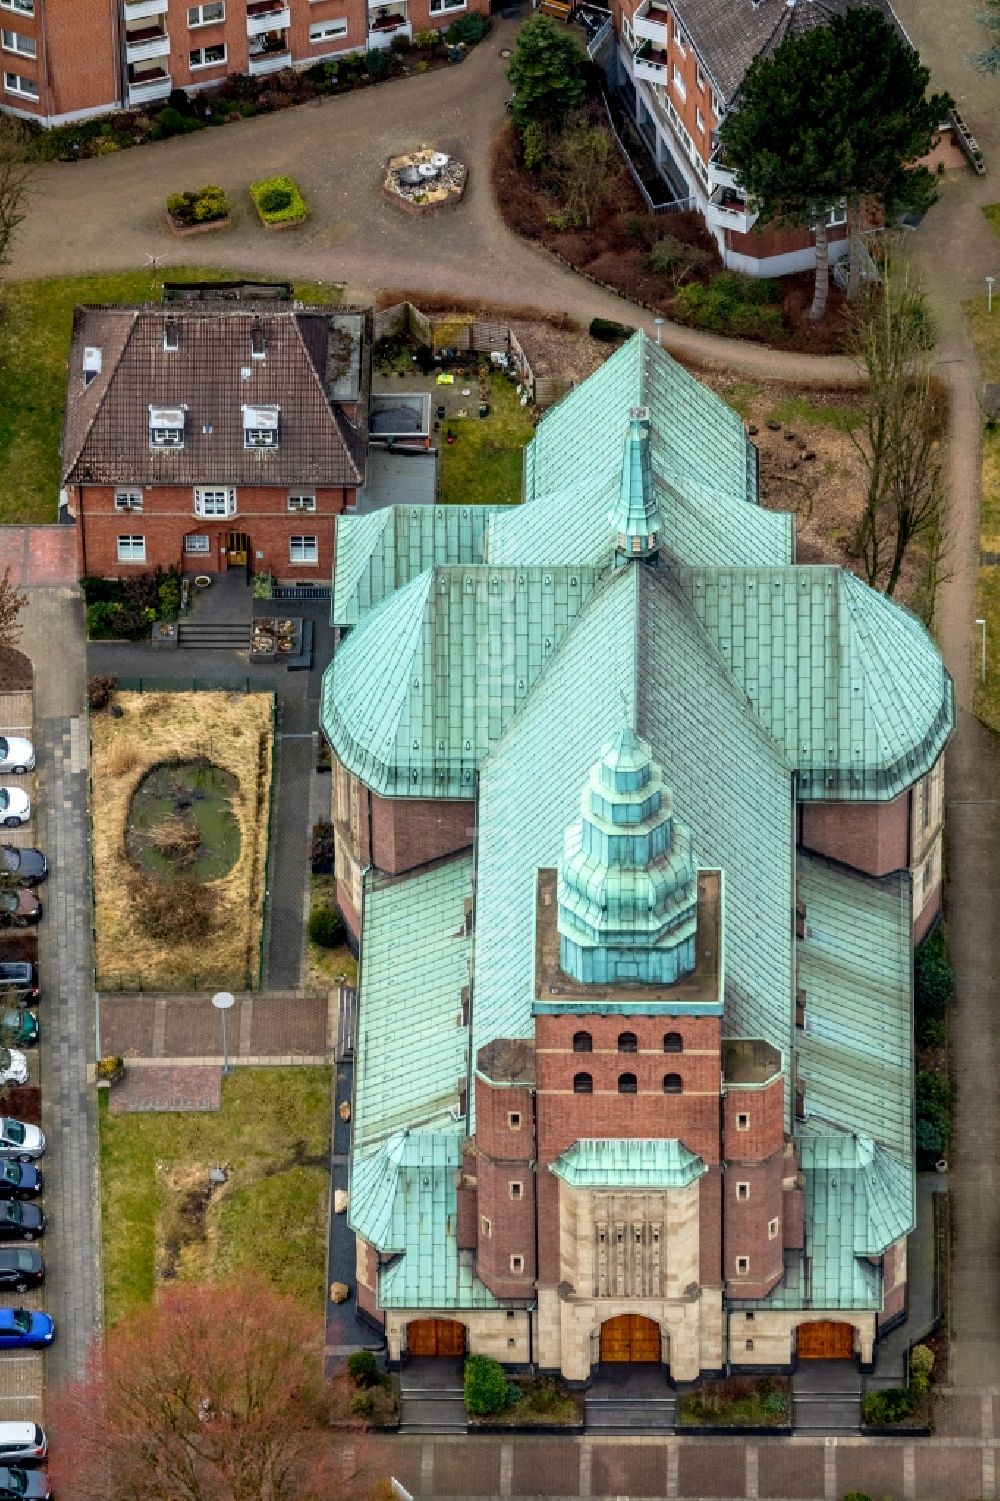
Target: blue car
(21, 1329)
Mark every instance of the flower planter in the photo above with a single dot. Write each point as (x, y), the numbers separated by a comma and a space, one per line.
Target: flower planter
(183, 230)
(110, 1071)
(281, 223)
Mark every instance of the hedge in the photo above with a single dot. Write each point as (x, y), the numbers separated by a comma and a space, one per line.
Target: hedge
(288, 204)
(485, 1385)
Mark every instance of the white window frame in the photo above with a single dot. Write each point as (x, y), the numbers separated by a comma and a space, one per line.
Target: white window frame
(198, 12)
(773, 1226)
(199, 537)
(743, 1266)
(213, 501)
(203, 62)
(24, 88)
(699, 78)
(680, 40)
(19, 7)
(742, 1192)
(128, 500)
(837, 216)
(513, 1120)
(327, 31)
(699, 121)
(680, 87)
(742, 1121)
(515, 1190)
(306, 502)
(486, 1226)
(132, 548)
(303, 543)
(11, 40)
(517, 1264)
(446, 5)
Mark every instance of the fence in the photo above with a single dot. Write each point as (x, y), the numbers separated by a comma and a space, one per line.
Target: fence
(265, 908)
(469, 335)
(189, 685)
(675, 205)
(300, 591)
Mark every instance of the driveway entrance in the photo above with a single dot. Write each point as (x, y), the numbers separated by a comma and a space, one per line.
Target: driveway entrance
(827, 1339)
(630, 1339)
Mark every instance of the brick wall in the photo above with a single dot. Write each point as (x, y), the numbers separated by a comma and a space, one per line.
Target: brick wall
(753, 1122)
(505, 1183)
(759, 244)
(167, 518)
(752, 1207)
(873, 837)
(407, 833)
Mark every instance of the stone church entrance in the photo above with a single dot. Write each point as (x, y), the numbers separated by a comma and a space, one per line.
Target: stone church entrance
(435, 1337)
(826, 1339)
(630, 1339)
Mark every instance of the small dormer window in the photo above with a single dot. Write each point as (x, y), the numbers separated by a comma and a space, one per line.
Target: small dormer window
(171, 335)
(166, 427)
(91, 364)
(258, 349)
(260, 427)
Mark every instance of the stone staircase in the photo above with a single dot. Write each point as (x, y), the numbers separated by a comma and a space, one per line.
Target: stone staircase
(439, 1409)
(624, 1414)
(217, 635)
(826, 1398)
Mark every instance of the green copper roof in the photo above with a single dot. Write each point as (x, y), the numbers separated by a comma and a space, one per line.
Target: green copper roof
(418, 694)
(846, 680)
(373, 1189)
(635, 517)
(628, 893)
(637, 637)
(411, 1046)
(433, 1272)
(379, 553)
(856, 1049)
(592, 1162)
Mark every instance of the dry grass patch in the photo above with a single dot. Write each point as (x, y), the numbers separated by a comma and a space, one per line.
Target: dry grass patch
(138, 941)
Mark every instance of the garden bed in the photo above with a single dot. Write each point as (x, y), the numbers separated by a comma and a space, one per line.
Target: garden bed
(195, 213)
(127, 608)
(162, 1220)
(542, 1404)
(738, 1402)
(279, 202)
(179, 934)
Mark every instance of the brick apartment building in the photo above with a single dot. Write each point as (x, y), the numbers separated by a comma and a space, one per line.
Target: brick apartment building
(637, 822)
(65, 60)
(678, 66)
(214, 435)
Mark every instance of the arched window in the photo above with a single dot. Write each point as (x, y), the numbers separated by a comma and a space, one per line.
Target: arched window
(673, 1042)
(583, 1084)
(628, 1084)
(583, 1042)
(628, 1042)
(672, 1084)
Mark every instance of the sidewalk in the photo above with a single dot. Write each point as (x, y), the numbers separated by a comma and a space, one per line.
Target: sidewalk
(261, 1028)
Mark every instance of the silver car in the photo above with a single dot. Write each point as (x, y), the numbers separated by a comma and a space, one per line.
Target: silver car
(16, 755)
(22, 1444)
(18, 1139)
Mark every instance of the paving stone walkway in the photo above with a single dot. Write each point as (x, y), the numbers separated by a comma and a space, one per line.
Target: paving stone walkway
(260, 1028)
(173, 1087)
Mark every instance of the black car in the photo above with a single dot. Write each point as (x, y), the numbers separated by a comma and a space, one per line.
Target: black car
(20, 1221)
(19, 1484)
(19, 982)
(19, 1180)
(20, 1270)
(26, 867)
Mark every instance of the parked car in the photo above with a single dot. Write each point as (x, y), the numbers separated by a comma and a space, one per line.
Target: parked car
(24, 1329)
(19, 1027)
(19, 982)
(28, 867)
(19, 1270)
(13, 1066)
(19, 1484)
(18, 1139)
(16, 754)
(15, 806)
(20, 1180)
(20, 1221)
(22, 1443)
(19, 907)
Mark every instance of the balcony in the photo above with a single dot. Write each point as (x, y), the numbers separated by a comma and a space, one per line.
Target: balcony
(727, 209)
(650, 63)
(138, 10)
(269, 61)
(149, 86)
(386, 22)
(652, 23)
(145, 42)
(267, 17)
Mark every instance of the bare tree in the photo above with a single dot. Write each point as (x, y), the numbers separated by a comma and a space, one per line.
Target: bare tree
(16, 167)
(905, 418)
(11, 604)
(583, 167)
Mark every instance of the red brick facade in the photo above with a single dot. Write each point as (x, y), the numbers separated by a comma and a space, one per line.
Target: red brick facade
(262, 527)
(873, 837)
(410, 832)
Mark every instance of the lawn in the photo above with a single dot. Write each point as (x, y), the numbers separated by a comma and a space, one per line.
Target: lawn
(843, 415)
(229, 730)
(37, 319)
(991, 213)
(483, 466)
(160, 1221)
(328, 967)
(985, 330)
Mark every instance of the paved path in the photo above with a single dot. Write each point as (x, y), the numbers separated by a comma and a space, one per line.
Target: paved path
(271, 1028)
(53, 638)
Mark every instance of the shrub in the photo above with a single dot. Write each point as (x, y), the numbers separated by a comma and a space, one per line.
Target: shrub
(776, 1404)
(426, 38)
(363, 1405)
(467, 30)
(921, 1360)
(110, 1067)
(856, 1496)
(99, 691)
(326, 927)
(170, 120)
(376, 63)
(278, 200)
(170, 598)
(607, 331)
(177, 99)
(485, 1385)
(731, 303)
(199, 207)
(363, 1369)
(104, 622)
(882, 1409)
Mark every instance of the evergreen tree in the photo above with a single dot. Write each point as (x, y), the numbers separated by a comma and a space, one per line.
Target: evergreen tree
(548, 73)
(838, 112)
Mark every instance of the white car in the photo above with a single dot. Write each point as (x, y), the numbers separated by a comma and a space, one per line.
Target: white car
(13, 1066)
(15, 806)
(18, 1139)
(22, 1443)
(16, 755)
